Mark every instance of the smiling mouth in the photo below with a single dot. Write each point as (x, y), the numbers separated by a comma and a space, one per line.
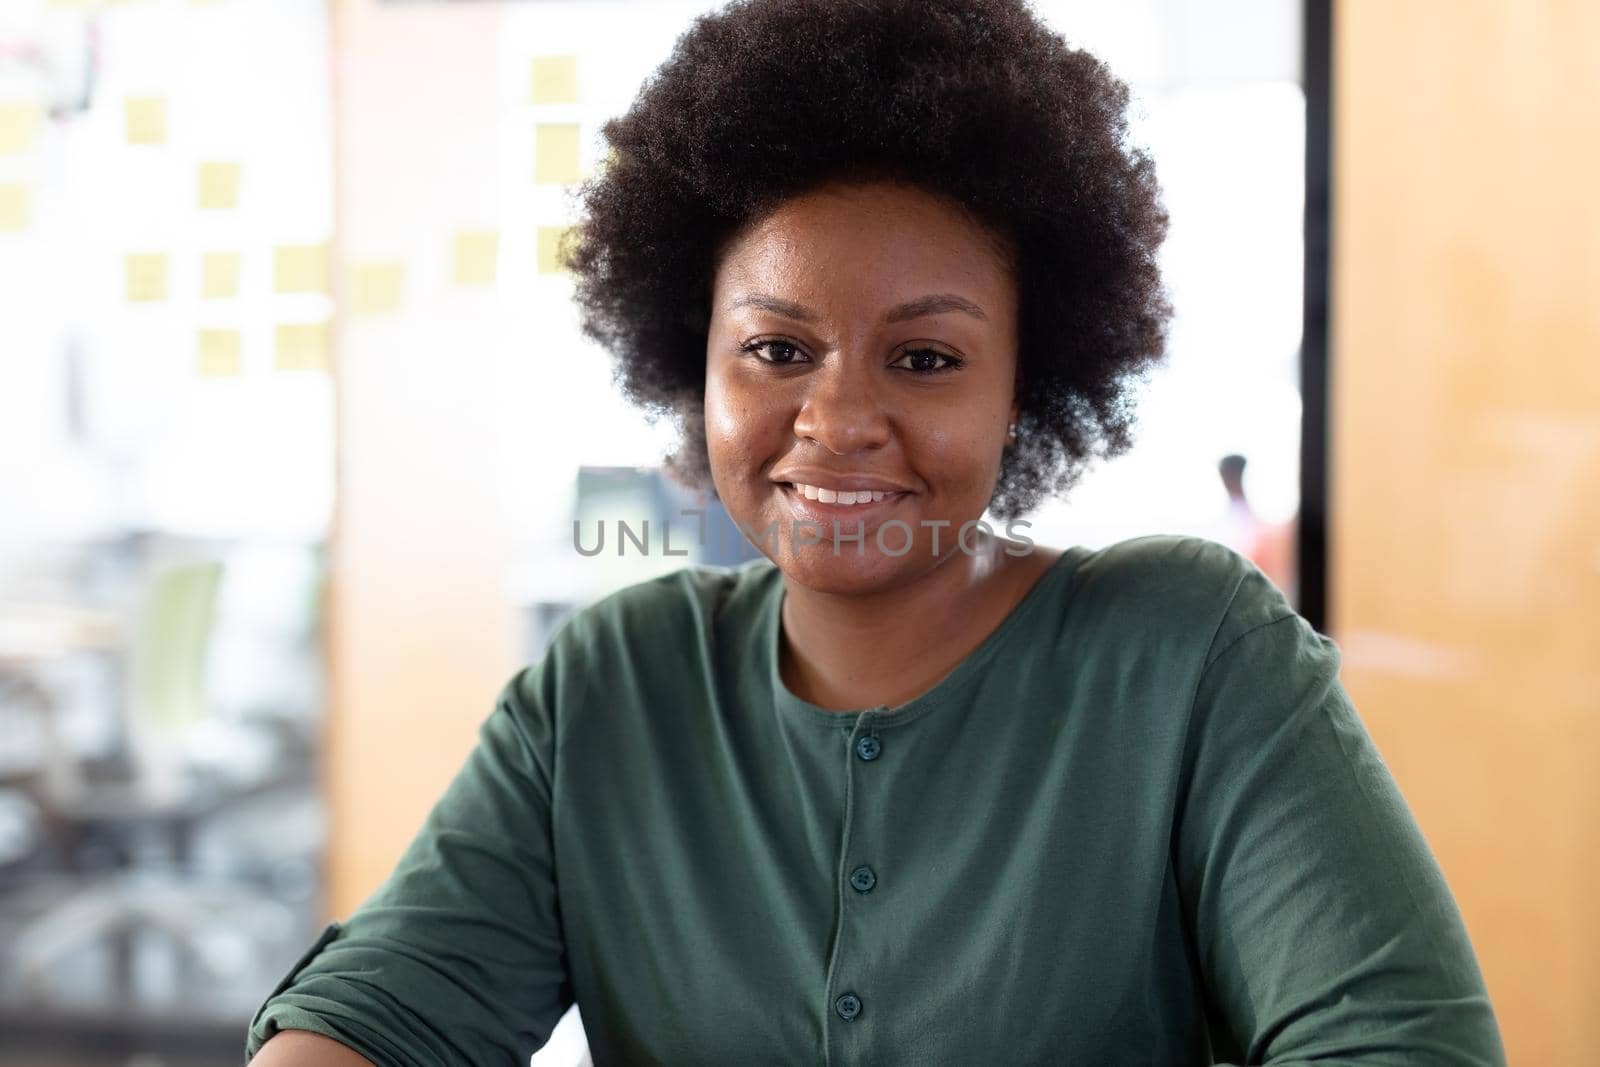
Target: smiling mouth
(843, 498)
(861, 507)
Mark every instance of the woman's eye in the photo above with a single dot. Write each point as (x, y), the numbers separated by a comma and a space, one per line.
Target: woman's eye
(780, 351)
(926, 360)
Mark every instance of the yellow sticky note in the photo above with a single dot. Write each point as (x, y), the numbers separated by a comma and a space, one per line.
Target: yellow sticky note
(219, 275)
(302, 346)
(145, 118)
(555, 153)
(378, 287)
(476, 252)
(300, 269)
(147, 276)
(550, 248)
(555, 79)
(13, 207)
(219, 353)
(19, 126)
(219, 185)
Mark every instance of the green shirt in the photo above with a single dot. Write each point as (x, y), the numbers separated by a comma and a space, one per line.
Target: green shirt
(1140, 824)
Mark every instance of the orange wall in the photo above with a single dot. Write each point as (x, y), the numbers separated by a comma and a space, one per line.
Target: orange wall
(421, 633)
(1465, 535)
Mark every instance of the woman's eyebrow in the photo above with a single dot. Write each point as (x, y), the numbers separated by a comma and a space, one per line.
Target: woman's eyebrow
(934, 304)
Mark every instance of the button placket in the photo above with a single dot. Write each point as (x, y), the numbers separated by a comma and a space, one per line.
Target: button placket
(866, 748)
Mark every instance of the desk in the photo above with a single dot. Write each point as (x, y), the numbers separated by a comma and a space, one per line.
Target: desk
(35, 633)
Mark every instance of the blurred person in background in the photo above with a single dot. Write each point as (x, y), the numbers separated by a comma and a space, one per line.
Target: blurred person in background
(1269, 545)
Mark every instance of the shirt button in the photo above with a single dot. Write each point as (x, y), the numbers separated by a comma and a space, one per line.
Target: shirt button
(848, 1006)
(868, 748)
(862, 879)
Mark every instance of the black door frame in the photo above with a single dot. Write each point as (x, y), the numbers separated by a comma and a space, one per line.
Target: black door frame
(1311, 547)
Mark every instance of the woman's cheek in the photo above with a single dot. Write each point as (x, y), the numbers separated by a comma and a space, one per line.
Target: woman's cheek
(722, 414)
(739, 443)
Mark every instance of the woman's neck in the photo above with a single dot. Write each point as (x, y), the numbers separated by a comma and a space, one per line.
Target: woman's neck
(846, 653)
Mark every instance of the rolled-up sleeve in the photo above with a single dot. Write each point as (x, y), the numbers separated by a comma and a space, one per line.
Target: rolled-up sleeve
(1324, 929)
(458, 957)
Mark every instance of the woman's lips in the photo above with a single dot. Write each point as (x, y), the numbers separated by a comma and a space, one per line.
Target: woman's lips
(847, 515)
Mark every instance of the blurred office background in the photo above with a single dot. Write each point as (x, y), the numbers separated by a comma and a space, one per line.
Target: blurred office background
(295, 421)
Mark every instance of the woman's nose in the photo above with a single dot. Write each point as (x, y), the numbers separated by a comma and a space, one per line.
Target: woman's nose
(842, 410)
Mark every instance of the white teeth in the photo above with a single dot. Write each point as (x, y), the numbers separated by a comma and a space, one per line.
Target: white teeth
(840, 496)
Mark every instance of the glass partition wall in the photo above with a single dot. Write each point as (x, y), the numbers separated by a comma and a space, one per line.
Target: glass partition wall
(166, 485)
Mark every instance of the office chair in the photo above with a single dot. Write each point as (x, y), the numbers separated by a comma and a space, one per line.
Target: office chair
(170, 785)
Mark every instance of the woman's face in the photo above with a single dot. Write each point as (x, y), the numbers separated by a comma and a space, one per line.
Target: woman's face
(863, 338)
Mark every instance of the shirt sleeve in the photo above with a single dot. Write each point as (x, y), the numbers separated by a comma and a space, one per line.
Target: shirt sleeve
(458, 957)
(1324, 929)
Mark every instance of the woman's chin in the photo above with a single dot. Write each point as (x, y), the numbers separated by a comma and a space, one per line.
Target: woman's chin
(845, 572)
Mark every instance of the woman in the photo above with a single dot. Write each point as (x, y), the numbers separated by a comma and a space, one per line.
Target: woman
(907, 790)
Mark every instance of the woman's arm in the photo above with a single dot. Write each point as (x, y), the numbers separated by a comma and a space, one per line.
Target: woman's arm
(1323, 925)
(301, 1048)
(458, 957)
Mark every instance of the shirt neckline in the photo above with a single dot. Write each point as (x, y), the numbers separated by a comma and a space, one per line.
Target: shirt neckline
(792, 706)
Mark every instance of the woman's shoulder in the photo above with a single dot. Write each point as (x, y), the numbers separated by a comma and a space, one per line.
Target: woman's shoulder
(1179, 583)
(642, 636)
(665, 609)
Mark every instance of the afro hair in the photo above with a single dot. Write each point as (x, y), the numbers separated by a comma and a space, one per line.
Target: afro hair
(976, 100)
